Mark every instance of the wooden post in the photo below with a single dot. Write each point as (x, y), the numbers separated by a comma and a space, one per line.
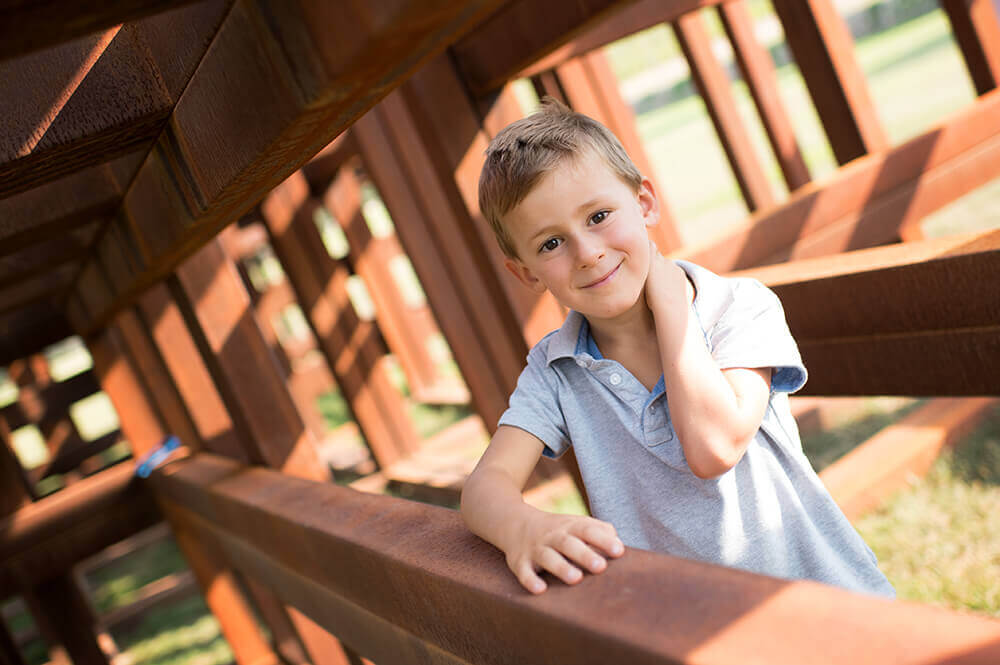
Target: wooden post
(352, 347)
(824, 50)
(71, 618)
(217, 311)
(144, 429)
(713, 85)
(976, 24)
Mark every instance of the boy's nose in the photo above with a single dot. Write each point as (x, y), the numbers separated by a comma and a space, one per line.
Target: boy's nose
(589, 252)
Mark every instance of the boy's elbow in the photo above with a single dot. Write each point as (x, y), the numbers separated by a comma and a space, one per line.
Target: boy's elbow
(717, 458)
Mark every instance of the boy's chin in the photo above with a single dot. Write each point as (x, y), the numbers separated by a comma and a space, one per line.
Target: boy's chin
(616, 309)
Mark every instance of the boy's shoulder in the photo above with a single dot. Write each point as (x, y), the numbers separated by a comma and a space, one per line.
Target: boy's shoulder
(718, 296)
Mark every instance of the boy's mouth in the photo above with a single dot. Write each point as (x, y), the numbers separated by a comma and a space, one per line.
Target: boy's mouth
(603, 280)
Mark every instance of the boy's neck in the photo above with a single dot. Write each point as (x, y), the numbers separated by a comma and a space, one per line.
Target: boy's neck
(633, 329)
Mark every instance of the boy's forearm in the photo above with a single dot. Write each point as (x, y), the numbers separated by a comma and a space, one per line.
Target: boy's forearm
(711, 422)
(493, 507)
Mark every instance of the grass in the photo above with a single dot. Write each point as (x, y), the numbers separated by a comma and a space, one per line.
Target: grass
(937, 541)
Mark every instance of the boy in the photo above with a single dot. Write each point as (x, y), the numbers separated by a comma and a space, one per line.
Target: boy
(720, 475)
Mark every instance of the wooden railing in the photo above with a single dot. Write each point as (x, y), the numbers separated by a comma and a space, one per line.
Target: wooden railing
(402, 582)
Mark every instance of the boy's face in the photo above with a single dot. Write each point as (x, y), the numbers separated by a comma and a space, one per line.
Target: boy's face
(581, 234)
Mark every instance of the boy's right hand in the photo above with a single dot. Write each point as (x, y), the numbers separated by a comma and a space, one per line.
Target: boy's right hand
(561, 545)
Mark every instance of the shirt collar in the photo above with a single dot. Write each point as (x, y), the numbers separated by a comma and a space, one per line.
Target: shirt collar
(566, 342)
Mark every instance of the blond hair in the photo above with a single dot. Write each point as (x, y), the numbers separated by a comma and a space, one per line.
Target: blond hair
(527, 149)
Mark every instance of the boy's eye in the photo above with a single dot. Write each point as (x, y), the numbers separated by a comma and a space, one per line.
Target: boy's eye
(599, 217)
(549, 245)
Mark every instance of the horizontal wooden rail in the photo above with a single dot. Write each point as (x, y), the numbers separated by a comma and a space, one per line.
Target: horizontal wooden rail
(867, 202)
(885, 463)
(56, 532)
(913, 319)
(406, 582)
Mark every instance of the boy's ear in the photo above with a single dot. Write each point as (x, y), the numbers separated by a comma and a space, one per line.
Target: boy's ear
(649, 202)
(524, 275)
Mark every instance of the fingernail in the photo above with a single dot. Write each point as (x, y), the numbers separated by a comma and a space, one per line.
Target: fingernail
(618, 547)
(575, 575)
(538, 587)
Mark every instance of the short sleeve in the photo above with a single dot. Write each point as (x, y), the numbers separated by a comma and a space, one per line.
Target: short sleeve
(534, 405)
(752, 332)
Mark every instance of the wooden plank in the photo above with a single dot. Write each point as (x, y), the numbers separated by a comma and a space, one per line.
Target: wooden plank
(15, 493)
(868, 322)
(256, 513)
(384, 152)
(30, 329)
(306, 70)
(76, 203)
(98, 97)
(144, 428)
(968, 133)
(352, 347)
(406, 332)
(591, 88)
(905, 450)
(824, 50)
(626, 20)
(217, 311)
(142, 352)
(26, 27)
(52, 534)
(524, 39)
(758, 72)
(69, 457)
(45, 286)
(976, 26)
(188, 373)
(70, 616)
(713, 85)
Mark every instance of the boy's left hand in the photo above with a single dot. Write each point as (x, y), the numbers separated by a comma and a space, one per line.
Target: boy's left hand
(666, 284)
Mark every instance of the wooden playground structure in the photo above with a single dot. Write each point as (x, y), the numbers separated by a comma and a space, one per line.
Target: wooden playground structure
(152, 151)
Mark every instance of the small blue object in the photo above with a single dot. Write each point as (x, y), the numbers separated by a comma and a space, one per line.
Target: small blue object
(157, 456)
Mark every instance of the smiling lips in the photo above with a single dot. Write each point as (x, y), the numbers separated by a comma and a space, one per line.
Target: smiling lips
(603, 280)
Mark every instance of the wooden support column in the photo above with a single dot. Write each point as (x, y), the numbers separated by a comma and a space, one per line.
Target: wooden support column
(824, 50)
(9, 653)
(385, 135)
(217, 311)
(758, 72)
(590, 87)
(144, 429)
(405, 328)
(976, 24)
(70, 616)
(713, 84)
(140, 349)
(352, 347)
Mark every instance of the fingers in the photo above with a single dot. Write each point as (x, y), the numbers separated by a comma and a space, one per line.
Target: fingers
(601, 535)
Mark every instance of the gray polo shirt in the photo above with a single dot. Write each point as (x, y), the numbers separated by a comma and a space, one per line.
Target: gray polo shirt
(769, 514)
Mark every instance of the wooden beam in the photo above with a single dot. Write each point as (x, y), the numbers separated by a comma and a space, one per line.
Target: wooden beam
(257, 514)
(758, 72)
(30, 329)
(56, 532)
(713, 85)
(911, 180)
(70, 615)
(279, 83)
(98, 97)
(217, 311)
(918, 319)
(352, 347)
(626, 20)
(524, 39)
(824, 51)
(26, 27)
(976, 25)
(888, 461)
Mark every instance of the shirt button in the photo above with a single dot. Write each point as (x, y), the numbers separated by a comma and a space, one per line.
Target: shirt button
(615, 379)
